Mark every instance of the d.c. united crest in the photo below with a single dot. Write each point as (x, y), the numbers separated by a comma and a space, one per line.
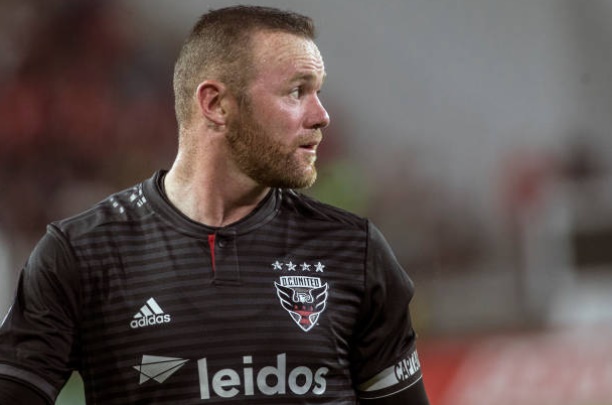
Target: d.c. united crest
(303, 297)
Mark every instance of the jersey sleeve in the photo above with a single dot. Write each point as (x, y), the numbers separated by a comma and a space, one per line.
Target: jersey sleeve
(385, 363)
(14, 393)
(38, 335)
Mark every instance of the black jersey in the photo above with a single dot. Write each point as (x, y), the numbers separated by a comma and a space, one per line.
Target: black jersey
(299, 302)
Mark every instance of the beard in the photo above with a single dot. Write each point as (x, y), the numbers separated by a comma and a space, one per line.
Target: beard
(268, 162)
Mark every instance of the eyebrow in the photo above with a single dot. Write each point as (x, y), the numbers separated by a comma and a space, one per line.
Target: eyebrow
(308, 77)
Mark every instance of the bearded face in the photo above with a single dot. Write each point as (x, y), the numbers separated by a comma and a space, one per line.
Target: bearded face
(274, 132)
(269, 156)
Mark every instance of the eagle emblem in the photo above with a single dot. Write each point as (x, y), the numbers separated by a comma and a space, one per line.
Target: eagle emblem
(304, 298)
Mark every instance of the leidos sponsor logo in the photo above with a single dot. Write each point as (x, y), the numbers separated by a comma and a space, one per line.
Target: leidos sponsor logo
(149, 314)
(250, 381)
(269, 380)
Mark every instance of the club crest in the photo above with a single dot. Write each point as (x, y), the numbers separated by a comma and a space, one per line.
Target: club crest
(303, 297)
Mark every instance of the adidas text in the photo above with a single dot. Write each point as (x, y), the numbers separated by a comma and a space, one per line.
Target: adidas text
(149, 314)
(150, 320)
(268, 380)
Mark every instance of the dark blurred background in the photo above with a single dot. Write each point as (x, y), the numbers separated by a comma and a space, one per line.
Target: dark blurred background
(474, 133)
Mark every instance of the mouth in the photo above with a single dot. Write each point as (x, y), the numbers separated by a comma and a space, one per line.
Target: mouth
(310, 146)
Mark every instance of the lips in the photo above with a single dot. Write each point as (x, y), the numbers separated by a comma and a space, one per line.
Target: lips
(311, 142)
(310, 146)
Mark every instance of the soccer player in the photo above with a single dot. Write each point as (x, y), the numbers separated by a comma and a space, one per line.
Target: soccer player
(216, 282)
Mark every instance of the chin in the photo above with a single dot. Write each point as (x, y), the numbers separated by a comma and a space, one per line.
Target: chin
(297, 182)
(307, 181)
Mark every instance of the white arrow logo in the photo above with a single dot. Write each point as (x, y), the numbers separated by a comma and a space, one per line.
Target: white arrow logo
(158, 368)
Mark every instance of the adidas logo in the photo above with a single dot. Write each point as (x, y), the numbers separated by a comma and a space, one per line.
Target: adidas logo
(149, 314)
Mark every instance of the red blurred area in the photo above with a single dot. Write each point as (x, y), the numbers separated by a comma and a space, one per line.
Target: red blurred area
(565, 367)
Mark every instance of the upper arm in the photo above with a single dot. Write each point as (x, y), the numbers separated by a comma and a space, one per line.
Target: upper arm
(38, 336)
(385, 362)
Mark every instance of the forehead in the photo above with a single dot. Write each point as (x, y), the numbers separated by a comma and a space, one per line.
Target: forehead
(286, 55)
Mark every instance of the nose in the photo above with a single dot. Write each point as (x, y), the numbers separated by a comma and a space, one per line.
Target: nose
(319, 116)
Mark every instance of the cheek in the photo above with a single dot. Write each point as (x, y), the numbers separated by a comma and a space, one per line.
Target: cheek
(286, 116)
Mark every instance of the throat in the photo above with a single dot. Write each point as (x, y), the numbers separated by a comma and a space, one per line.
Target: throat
(215, 204)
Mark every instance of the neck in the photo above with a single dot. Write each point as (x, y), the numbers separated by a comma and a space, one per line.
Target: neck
(207, 192)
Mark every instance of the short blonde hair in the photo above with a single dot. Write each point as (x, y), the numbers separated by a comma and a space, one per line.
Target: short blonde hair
(218, 47)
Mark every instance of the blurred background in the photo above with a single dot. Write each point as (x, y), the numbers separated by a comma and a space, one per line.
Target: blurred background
(474, 133)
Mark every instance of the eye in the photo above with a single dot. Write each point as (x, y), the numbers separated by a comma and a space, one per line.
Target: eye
(296, 92)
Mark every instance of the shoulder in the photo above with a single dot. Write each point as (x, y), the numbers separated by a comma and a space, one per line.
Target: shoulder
(309, 208)
(116, 210)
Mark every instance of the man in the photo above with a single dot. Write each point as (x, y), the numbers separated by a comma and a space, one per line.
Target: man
(215, 282)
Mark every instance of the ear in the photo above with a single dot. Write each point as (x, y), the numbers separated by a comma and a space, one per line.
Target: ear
(212, 101)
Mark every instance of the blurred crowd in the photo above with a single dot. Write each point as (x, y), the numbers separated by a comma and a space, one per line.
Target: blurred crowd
(81, 95)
